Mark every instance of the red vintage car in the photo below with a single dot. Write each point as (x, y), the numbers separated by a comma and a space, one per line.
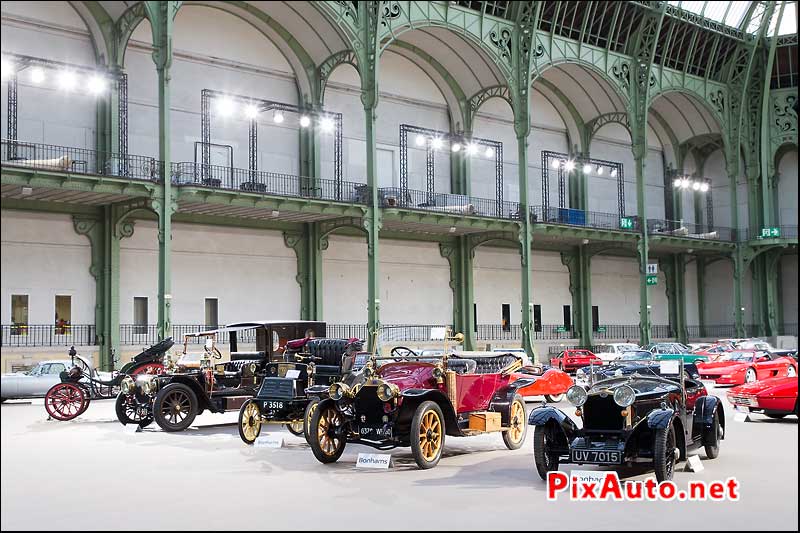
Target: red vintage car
(416, 401)
(746, 366)
(775, 397)
(548, 382)
(572, 360)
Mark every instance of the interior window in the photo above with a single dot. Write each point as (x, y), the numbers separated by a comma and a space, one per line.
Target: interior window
(55, 368)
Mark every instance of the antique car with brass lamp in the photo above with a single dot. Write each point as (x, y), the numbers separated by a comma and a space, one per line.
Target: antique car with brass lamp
(198, 381)
(286, 393)
(410, 400)
(628, 419)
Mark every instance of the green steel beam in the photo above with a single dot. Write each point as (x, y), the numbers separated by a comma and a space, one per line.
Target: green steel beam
(460, 254)
(700, 271)
(578, 263)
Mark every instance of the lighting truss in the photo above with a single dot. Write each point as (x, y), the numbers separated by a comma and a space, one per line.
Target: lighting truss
(264, 106)
(491, 149)
(565, 164)
(19, 63)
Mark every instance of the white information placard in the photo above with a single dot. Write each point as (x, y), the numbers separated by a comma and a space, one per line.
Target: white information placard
(587, 476)
(269, 440)
(131, 428)
(669, 368)
(652, 268)
(693, 464)
(739, 416)
(438, 333)
(293, 374)
(380, 461)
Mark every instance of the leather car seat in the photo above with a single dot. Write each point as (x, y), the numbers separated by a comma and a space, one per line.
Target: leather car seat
(461, 365)
(493, 365)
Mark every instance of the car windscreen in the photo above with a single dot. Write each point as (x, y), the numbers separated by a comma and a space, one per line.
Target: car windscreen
(638, 355)
(737, 356)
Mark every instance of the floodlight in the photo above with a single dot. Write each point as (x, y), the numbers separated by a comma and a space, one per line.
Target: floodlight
(419, 140)
(327, 124)
(37, 75)
(251, 111)
(67, 80)
(455, 147)
(277, 117)
(437, 143)
(489, 152)
(305, 121)
(97, 84)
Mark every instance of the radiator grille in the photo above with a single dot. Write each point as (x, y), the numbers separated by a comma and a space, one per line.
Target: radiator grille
(602, 413)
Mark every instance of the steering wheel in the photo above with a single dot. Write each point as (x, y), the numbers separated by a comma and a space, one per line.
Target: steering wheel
(402, 352)
(214, 354)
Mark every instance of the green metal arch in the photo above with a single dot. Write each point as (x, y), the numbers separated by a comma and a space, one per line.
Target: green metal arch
(716, 106)
(615, 84)
(781, 151)
(326, 68)
(100, 26)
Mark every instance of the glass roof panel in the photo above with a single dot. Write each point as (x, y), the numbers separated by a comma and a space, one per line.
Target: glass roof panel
(733, 13)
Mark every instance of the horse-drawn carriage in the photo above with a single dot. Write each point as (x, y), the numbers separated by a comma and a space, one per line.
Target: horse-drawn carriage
(81, 384)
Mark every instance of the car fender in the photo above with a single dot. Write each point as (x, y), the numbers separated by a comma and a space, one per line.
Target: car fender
(411, 398)
(318, 391)
(200, 394)
(660, 418)
(544, 415)
(704, 411)
(504, 397)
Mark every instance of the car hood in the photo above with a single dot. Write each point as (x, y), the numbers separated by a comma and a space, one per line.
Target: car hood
(724, 365)
(644, 387)
(408, 375)
(785, 385)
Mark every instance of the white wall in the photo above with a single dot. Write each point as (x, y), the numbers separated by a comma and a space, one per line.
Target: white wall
(787, 189)
(615, 290)
(497, 279)
(250, 272)
(789, 288)
(42, 256)
(719, 294)
(414, 282)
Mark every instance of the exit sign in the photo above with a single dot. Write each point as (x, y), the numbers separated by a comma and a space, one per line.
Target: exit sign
(652, 280)
(625, 223)
(601, 329)
(561, 329)
(769, 233)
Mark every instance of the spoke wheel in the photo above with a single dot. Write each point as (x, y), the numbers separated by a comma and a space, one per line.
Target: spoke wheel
(664, 453)
(175, 407)
(543, 456)
(249, 422)
(296, 427)
(427, 434)
(65, 401)
(309, 412)
(518, 425)
(329, 433)
(130, 412)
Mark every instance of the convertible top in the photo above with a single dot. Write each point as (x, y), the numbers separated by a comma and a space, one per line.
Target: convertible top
(239, 326)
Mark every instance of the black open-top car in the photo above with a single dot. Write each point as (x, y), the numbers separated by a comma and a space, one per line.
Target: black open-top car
(630, 419)
(287, 391)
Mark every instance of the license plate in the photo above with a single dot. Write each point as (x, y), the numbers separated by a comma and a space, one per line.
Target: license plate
(597, 457)
(371, 433)
(273, 405)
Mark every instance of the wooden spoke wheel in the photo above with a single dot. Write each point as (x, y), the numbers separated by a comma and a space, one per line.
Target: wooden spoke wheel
(427, 434)
(517, 426)
(296, 427)
(310, 408)
(249, 422)
(175, 407)
(130, 412)
(327, 433)
(65, 401)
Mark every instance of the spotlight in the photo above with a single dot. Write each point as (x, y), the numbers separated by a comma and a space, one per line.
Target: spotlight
(305, 121)
(696, 185)
(613, 172)
(6, 69)
(676, 182)
(489, 152)
(251, 111)
(472, 149)
(225, 107)
(685, 183)
(97, 84)
(277, 117)
(704, 187)
(327, 124)
(437, 143)
(452, 229)
(419, 140)
(455, 147)
(600, 170)
(569, 166)
(67, 80)
(587, 168)
(37, 75)
(556, 163)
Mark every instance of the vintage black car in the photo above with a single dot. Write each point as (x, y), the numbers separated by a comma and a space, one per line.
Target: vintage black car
(196, 382)
(590, 374)
(289, 391)
(630, 419)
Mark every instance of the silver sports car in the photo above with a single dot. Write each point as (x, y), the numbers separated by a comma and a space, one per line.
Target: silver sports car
(37, 381)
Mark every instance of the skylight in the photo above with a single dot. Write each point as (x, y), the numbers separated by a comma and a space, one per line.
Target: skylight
(733, 14)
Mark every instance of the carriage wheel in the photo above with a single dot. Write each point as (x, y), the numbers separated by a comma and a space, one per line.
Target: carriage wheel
(65, 401)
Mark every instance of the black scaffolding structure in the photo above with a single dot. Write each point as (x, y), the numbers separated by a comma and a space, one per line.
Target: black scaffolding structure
(615, 169)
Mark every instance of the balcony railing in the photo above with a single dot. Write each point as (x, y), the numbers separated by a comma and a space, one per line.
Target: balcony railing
(456, 204)
(258, 181)
(48, 335)
(773, 232)
(678, 228)
(72, 160)
(588, 219)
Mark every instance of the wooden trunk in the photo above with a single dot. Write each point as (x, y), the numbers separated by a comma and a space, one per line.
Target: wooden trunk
(485, 421)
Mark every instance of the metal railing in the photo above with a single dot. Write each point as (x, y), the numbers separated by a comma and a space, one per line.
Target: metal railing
(273, 183)
(72, 160)
(588, 219)
(48, 335)
(455, 204)
(617, 331)
(679, 228)
(788, 329)
(774, 232)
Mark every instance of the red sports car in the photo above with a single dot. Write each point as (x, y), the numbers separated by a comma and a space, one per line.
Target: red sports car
(571, 360)
(715, 351)
(775, 397)
(746, 366)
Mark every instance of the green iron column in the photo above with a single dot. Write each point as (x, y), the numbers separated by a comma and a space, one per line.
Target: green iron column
(739, 271)
(161, 20)
(308, 246)
(459, 254)
(372, 223)
(578, 263)
(643, 247)
(525, 237)
(674, 268)
(460, 171)
(700, 271)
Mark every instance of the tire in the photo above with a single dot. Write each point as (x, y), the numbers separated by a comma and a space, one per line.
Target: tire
(545, 460)
(175, 407)
(712, 437)
(296, 428)
(130, 414)
(750, 376)
(249, 422)
(518, 425)
(310, 408)
(65, 401)
(790, 372)
(776, 416)
(427, 434)
(327, 433)
(554, 398)
(664, 453)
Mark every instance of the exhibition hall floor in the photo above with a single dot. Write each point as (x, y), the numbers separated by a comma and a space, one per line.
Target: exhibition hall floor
(91, 474)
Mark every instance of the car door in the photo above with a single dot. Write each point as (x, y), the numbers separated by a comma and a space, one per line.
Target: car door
(50, 375)
(768, 367)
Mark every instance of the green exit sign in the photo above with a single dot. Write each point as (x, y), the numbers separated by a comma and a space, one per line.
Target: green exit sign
(601, 329)
(625, 223)
(561, 329)
(652, 280)
(770, 233)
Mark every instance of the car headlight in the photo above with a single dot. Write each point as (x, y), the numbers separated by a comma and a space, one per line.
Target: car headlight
(387, 391)
(337, 391)
(576, 395)
(127, 385)
(624, 396)
(147, 384)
